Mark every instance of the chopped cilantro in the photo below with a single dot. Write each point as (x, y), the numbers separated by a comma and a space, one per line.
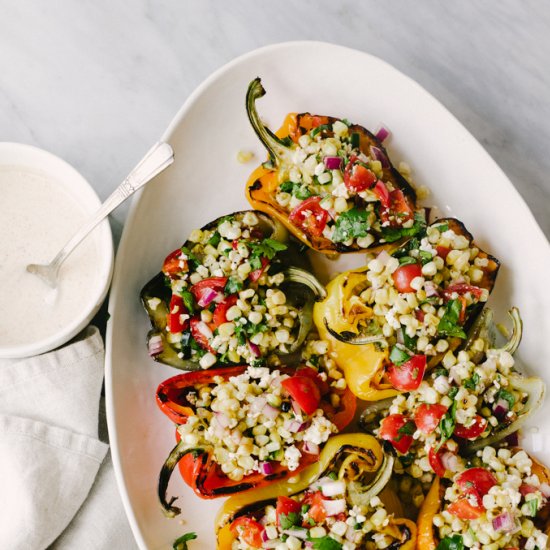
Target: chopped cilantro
(410, 342)
(441, 371)
(407, 429)
(507, 396)
(319, 129)
(472, 382)
(392, 234)
(452, 392)
(447, 424)
(443, 227)
(333, 475)
(425, 256)
(346, 122)
(188, 301)
(233, 285)
(448, 325)
(215, 239)
(407, 260)
(181, 542)
(300, 191)
(398, 356)
(351, 224)
(289, 520)
(325, 543)
(532, 506)
(192, 259)
(265, 249)
(451, 543)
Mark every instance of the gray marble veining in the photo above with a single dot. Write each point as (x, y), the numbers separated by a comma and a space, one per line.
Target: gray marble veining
(96, 81)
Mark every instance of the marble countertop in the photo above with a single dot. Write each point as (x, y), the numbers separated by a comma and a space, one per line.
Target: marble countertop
(97, 82)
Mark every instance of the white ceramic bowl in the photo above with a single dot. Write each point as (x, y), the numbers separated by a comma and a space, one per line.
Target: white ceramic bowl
(31, 159)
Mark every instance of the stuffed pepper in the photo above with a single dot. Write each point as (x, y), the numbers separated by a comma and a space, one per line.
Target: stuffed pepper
(473, 399)
(330, 182)
(243, 427)
(394, 319)
(499, 501)
(337, 503)
(231, 294)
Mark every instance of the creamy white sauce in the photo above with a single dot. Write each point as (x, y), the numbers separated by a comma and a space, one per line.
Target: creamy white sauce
(37, 217)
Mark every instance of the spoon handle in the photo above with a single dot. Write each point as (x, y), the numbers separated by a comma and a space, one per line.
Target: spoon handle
(159, 157)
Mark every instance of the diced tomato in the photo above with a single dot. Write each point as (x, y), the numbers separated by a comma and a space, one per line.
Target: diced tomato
(309, 216)
(249, 530)
(396, 208)
(200, 338)
(173, 264)
(286, 506)
(461, 289)
(408, 376)
(257, 273)
(479, 480)
(177, 309)
(323, 386)
(442, 251)
(403, 276)
(473, 431)
(304, 391)
(381, 191)
(391, 429)
(200, 289)
(464, 509)
(220, 313)
(317, 511)
(419, 314)
(435, 462)
(357, 177)
(427, 417)
(235, 244)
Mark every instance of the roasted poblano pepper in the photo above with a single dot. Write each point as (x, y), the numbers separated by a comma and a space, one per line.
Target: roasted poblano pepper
(176, 397)
(191, 300)
(355, 461)
(473, 484)
(330, 182)
(385, 333)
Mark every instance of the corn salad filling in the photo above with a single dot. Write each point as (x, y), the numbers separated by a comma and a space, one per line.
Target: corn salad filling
(495, 504)
(225, 306)
(331, 188)
(421, 296)
(324, 516)
(460, 399)
(251, 421)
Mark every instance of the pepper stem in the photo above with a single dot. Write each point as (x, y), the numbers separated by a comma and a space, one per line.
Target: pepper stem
(177, 453)
(275, 147)
(297, 275)
(517, 331)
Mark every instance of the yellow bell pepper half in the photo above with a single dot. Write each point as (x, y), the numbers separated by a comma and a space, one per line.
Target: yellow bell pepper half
(342, 310)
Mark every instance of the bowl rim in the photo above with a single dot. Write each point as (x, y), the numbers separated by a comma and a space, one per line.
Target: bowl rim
(40, 160)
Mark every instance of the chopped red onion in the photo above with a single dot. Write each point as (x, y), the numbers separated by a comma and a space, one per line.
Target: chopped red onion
(254, 349)
(266, 468)
(294, 426)
(208, 296)
(382, 133)
(296, 408)
(501, 408)
(512, 439)
(265, 538)
(257, 405)
(270, 412)
(504, 522)
(333, 163)
(333, 488)
(378, 154)
(311, 448)
(431, 289)
(155, 346)
(334, 507)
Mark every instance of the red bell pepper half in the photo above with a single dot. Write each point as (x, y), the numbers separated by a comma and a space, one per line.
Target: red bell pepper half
(197, 466)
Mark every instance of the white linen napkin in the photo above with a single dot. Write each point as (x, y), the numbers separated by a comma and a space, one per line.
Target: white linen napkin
(50, 453)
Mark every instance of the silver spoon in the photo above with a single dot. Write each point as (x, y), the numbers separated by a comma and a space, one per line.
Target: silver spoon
(159, 157)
